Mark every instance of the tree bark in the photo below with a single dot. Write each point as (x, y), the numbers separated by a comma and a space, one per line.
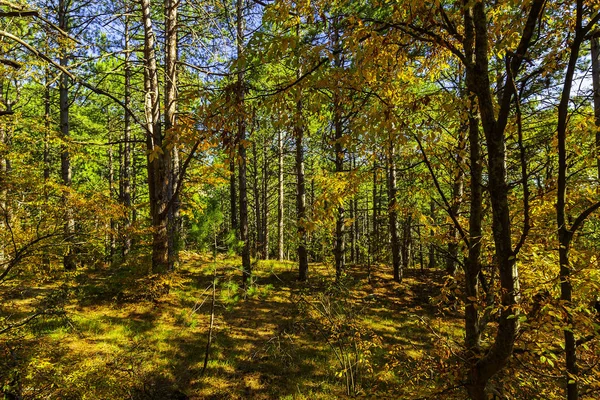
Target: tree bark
(125, 186)
(65, 157)
(171, 135)
(596, 87)
(265, 201)
(472, 264)
(475, 44)
(241, 128)
(158, 159)
(280, 199)
(457, 194)
(340, 245)
(258, 242)
(393, 214)
(300, 195)
(233, 193)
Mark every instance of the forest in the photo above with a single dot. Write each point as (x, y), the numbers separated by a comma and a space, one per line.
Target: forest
(296, 199)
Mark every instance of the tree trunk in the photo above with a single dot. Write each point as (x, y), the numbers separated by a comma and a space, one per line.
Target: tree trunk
(65, 157)
(300, 196)
(158, 160)
(393, 214)
(233, 193)
(241, 128)
(125, 186)
(171, 135)
(375, 233)
(280, 222)
(457, 194)
(477, 67)
(112, 242)
(431, 260)
(258, 242)
(265, 199)
(340, 245)
(47, 133)
(596, 86)
(472, 264)
(565, 233)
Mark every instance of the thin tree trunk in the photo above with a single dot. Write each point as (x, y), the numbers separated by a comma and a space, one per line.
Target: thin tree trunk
(457, 194)
(280, 222)
(375, 236)
(233, 193)
(340, 245)
(300, 196)
(258, 242)
(265, 198)
(393, 214)
(565, 233)
(125, 194)
(65, 157)
(171, 57)
(596, 86)
(431, 261)
(112, 243)
(47, 133)
(241, 128)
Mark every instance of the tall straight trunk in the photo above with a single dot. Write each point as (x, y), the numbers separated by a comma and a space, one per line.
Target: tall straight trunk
(258, 242)
(65, 157)
(158, 160)
(233, 194)
(393, 214)
(596, 87)
(170, 82)
(300, 196)
(280, 222)
(265, 198)
(354, 216)
(46, 156)
(472, 264)
(241, 132)
(340, 245)
(375, 234)
(406, 249)
(457, 194)
(112, 240)
(125, 186)
(431, 260)
(494, 121)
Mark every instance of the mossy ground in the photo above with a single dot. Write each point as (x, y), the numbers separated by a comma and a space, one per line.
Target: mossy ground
(124, 335)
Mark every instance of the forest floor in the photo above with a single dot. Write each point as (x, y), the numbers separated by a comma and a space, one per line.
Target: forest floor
(123, 335)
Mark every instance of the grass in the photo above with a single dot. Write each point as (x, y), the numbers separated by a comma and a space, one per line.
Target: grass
(120, 339)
